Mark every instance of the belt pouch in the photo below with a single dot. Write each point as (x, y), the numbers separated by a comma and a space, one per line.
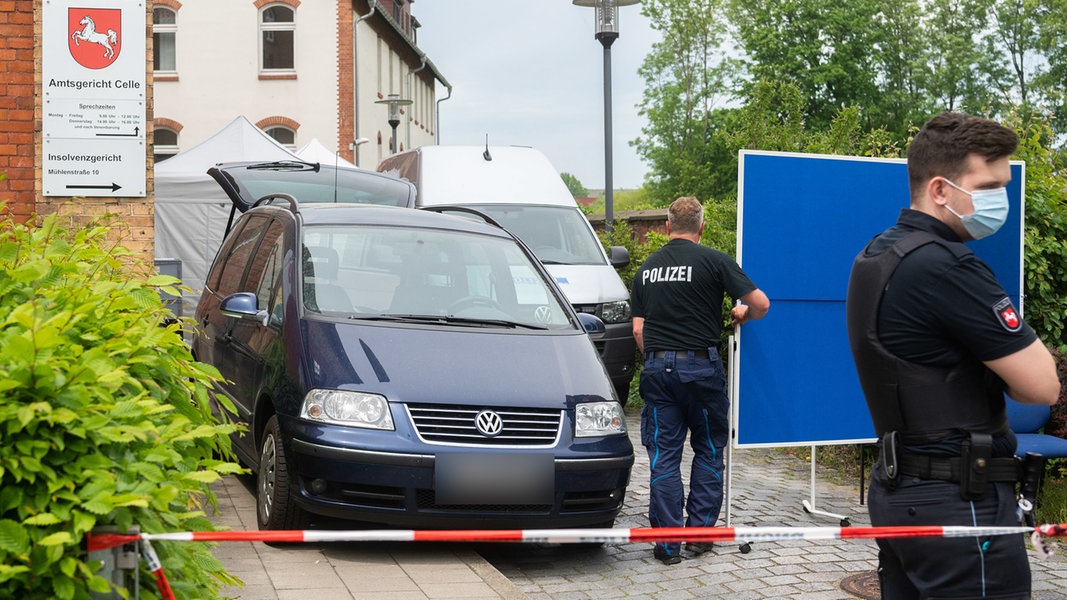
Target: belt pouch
(975, 457)
(888, 458)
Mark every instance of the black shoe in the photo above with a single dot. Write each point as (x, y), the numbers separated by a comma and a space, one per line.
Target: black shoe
(667, 559)
(698, 548)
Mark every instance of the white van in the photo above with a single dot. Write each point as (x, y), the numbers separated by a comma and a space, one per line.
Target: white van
(520, 189)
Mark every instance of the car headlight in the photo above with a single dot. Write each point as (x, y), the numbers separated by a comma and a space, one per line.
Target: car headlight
(598, 419)
(354, 409)
(615, 312)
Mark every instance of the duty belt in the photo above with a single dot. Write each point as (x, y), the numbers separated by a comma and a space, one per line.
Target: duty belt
(946, 468)
(680, 353)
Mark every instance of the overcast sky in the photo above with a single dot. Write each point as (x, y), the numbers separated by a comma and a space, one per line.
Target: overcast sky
(531, 73)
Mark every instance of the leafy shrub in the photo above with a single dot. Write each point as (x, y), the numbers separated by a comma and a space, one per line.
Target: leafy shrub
(104, 416)
(1045, 253)
(1057, 422)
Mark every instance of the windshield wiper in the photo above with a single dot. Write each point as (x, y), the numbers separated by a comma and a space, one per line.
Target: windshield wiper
(284, 165)
(450, 320)
(497, 322)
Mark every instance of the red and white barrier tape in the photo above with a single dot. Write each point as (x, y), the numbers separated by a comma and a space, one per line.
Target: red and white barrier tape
(560, 536)
(156, 567)
(578, 536)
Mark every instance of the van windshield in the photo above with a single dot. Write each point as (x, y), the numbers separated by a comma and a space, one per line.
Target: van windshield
(372, 272)
(559, 235)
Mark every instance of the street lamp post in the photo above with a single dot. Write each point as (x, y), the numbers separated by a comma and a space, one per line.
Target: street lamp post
(607, 31)
(394, 102)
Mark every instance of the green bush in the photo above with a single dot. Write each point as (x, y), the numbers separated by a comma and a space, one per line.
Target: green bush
(104, 416)
(1045, 238)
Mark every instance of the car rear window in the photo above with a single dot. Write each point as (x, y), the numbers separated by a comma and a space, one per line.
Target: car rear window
(344, 186)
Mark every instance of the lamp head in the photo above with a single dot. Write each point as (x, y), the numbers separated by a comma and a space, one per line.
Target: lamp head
(607, 17)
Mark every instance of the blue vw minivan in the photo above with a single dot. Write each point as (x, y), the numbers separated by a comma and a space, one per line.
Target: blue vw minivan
(404, 367)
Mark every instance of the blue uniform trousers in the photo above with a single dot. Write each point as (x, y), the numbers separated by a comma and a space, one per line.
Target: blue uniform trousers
(684, 394)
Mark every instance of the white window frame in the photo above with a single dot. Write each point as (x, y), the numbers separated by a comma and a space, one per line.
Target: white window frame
(265, 28)
(164, 29)
(270, 128)
(168, 149)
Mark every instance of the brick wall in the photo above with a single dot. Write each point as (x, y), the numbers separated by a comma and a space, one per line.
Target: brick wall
(345, 78)
(20, 136)
(18, 157)
(641, 222)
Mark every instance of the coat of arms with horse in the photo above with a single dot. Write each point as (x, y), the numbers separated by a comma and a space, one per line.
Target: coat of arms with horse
(96, 35)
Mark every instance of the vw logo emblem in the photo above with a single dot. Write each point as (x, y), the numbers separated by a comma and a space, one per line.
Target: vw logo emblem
(542, 314)
(488, 423)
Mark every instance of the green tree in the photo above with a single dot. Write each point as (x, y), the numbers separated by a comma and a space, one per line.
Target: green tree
(574, 186)
(829, 49)
(1014, 37)
(951, 30)
(688, 79)
(1052, 33)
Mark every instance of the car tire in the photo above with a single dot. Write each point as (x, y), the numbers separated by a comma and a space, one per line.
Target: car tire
(276, 506)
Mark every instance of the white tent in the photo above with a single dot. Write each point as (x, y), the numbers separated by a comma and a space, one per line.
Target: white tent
(192, 210)
(315, 152)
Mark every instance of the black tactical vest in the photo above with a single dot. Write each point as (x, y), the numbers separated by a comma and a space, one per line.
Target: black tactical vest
(924, 403)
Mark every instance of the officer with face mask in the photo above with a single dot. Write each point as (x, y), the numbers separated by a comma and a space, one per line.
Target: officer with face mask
(937, 343)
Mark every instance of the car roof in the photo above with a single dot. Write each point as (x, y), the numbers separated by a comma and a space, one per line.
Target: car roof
(315, 214)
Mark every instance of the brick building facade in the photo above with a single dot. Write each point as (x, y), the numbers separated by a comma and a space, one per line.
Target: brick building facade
(21, 136)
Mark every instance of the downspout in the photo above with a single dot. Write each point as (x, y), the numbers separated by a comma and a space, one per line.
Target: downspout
(437, 115)
(355, 79)
(411, 77)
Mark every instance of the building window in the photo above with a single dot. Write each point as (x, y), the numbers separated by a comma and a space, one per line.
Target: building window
(284, 136)
(164, 40)
(277, 26)
(165, 143)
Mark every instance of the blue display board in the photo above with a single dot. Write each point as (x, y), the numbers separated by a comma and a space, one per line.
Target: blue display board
(801, 221)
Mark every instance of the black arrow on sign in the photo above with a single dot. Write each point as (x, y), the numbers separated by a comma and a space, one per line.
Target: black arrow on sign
(113, 187)
(136, 131)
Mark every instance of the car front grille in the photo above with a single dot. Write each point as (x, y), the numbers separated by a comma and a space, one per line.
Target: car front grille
(526, 427)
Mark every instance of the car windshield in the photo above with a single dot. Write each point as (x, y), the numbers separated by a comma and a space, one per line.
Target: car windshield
(375, 272)
(311, 183)
(557, 234)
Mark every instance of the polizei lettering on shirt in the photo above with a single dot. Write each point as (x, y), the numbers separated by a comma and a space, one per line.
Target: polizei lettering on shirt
(661, 274)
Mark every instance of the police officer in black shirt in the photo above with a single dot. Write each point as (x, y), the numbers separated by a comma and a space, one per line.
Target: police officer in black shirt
(677, 319)
(937, 343)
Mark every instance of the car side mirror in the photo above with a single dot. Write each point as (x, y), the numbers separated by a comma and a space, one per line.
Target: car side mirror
(244, 305)
(591, 323)
(619, 256)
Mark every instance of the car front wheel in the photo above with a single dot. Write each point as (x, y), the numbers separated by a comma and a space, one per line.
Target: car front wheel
(276, 506)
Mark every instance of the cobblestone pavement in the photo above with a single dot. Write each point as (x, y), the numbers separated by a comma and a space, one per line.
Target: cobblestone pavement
(769, 488)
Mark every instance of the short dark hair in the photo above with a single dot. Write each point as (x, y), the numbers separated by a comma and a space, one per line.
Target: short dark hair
(685, 215)
(942, 146)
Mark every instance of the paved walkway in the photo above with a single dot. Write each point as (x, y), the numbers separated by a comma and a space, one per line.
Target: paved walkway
(348, 571)
(769, 487)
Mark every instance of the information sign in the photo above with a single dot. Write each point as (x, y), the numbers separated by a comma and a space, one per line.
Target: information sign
(94, 96)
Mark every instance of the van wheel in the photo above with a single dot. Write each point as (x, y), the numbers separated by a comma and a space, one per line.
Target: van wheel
(276, 506)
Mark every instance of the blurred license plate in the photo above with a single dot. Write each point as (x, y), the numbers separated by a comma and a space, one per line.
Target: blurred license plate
(495, 478)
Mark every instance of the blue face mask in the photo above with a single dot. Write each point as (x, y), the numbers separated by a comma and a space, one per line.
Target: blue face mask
(990, 211)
